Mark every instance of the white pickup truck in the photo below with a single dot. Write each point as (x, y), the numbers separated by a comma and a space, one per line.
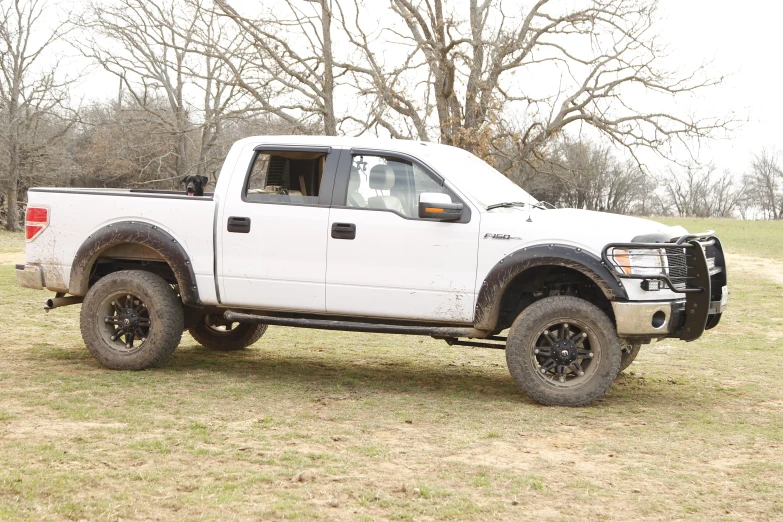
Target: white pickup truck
(366, 235)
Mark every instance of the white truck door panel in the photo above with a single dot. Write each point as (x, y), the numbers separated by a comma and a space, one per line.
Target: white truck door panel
(280, 262)
(397, 267)
(400, 268)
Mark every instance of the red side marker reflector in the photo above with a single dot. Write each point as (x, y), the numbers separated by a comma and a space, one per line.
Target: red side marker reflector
(30, 231)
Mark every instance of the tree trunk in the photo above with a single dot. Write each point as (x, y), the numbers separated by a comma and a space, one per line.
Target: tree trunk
(201, 167)
(181, 148)
(12, 216)
(14, 160)
(330, 122)
(473, 112)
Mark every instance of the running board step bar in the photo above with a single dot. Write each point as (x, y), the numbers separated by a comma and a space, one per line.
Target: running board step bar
(451, 341)
(439, 332)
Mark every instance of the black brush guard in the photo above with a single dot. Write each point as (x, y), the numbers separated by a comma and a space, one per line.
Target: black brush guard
(687, 272)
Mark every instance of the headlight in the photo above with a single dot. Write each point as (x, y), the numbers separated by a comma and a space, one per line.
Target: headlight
(641, 262)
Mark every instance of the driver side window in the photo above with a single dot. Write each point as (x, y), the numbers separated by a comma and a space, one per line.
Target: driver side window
(382, 183)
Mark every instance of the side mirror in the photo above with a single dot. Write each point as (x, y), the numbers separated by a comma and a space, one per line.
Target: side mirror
(433, 205)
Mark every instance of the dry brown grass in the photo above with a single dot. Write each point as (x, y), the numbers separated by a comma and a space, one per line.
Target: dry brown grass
(318, 425)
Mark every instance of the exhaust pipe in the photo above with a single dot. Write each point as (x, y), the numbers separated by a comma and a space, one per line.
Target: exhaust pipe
(57, 302)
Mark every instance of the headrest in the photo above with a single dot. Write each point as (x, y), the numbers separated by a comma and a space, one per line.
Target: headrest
(354, 180)
(381, 177)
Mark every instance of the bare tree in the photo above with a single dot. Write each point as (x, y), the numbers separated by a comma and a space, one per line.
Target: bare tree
(480, 65)
(726, 195)
(764, 184)
(702, 192)
(224, 101)
(583, 174)
(119, 144)
(291, 69)
(32, 98)
(687, 193)
(152, 50)
(468, 77)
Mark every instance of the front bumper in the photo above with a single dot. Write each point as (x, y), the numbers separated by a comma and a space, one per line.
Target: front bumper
(703, 283)
(656, 319)
(29, 276)
(647, 318)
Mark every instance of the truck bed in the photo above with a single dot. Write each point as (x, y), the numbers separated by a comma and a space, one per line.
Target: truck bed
(74, 214)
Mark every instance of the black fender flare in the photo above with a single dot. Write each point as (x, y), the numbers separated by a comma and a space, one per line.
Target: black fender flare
(139, 233)
(497, 280)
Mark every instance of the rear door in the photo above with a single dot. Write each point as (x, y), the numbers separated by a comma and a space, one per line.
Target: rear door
(273, 230)
(383, 260)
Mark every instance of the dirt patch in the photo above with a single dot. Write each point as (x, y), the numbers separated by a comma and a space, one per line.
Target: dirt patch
(530, 454)
(13, 258)
(765, 267)
(24, 429)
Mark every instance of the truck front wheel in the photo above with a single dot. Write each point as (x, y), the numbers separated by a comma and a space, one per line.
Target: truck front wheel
(630, 351)
(563, 351)
(131, 320)
(215, 333)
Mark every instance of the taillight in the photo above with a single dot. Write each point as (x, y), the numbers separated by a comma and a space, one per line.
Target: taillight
(36, 219)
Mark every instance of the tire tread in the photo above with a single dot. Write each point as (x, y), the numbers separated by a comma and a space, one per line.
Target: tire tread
(526, 325)
(168, 313)
(250, 335)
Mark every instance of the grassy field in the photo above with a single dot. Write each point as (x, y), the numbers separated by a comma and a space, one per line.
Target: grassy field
(341, 426)
(11, 242)
(764, 238)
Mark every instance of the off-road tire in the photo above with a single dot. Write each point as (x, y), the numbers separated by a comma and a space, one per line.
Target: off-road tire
(629, 353)
(604, 343)
(239, 338)
(166, 320)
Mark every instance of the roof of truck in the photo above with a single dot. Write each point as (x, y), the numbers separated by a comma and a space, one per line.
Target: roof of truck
(411, 146)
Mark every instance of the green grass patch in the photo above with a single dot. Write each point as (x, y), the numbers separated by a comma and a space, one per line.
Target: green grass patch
(763, 238)
(11, 242)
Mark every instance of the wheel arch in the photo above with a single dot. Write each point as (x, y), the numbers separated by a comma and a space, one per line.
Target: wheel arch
(500, 279)
(141, 235)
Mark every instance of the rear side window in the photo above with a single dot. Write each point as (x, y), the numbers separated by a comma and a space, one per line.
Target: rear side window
(285, 177)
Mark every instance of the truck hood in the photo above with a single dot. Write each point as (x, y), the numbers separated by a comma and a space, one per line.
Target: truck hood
(573, 226)
(617, 226)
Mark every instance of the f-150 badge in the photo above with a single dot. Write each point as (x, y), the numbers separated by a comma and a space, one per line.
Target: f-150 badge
(499, 236)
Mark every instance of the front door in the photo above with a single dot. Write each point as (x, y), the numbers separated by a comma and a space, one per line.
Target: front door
(383, 260)
(274, 230)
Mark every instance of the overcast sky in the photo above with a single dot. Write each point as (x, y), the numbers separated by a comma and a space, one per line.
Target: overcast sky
(741, 39)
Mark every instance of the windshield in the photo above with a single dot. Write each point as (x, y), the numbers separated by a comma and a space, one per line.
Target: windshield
(483, 183)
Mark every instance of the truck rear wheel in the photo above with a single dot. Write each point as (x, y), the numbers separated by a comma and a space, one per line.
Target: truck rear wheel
(131, 320)
(563, 351)
(216, 333)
